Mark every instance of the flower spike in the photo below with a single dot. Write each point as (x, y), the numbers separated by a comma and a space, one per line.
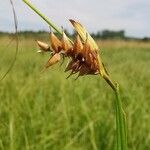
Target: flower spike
(83, 52)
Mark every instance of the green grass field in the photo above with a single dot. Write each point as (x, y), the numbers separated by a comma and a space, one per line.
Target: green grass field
(46, 111)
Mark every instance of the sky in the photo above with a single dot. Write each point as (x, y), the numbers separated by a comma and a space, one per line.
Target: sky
(133, 16)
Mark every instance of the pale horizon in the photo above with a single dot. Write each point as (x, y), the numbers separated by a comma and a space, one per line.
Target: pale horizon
(130, 16)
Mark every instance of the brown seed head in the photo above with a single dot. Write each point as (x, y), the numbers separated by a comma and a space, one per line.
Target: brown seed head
(83, 52)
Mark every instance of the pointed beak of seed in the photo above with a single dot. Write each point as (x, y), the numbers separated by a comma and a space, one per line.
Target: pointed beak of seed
(43, 46)
(66, 44)
(55, 43)
(53, 60)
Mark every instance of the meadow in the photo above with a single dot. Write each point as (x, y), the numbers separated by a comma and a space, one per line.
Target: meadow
(46, 111)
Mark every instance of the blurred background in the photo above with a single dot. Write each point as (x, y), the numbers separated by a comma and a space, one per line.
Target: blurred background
(130, 16)
(46, 111)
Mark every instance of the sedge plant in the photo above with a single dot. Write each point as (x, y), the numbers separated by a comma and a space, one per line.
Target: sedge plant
(84, 57)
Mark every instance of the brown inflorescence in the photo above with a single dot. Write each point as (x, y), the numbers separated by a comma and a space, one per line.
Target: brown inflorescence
(83, 56)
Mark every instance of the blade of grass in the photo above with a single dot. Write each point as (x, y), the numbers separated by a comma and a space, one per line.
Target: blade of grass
(120, 122)
(121, 127)
(1, 145)
(11, 132)
(17, 41)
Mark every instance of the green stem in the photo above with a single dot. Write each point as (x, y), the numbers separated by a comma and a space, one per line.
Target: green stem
(121, 127)
(43, 17)
(120, 123)
(120, 115)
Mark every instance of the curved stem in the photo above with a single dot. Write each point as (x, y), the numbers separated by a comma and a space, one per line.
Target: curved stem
(110, 82)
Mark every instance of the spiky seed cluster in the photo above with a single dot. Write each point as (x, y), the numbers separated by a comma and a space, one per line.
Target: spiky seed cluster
(82, 53)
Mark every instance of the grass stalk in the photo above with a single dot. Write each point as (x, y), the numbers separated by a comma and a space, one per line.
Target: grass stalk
(11, 132)
(121, 126)
(120, 114)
